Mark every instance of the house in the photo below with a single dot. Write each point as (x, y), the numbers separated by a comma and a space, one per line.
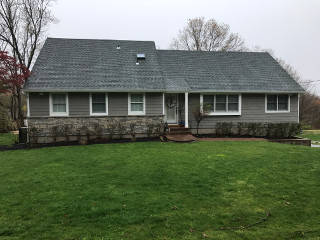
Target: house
(78, 82)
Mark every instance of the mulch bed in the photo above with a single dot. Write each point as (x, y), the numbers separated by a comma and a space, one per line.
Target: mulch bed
(21, 146)
(231, 139)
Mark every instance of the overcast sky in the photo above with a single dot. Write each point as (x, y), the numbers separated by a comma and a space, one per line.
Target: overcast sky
(290, 27)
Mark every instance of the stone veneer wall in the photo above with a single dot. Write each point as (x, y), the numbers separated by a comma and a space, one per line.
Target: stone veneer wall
(44, 125)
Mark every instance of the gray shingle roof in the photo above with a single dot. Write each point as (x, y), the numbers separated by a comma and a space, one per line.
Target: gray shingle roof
(93, 65)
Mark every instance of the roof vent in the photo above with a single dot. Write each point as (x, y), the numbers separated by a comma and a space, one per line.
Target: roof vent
(141, 56)
(118, 48)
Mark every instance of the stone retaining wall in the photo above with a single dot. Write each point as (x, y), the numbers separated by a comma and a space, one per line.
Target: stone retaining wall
(294, 141)
(51, 129)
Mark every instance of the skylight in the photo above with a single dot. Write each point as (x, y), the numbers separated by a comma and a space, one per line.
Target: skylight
(141, 56)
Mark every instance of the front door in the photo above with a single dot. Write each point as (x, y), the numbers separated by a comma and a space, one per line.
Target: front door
(171, 103)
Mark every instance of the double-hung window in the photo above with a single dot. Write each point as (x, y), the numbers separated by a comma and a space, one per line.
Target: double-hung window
(277, 103)
(136, 103)
(221, 104)
(98, 104)
(59, 104)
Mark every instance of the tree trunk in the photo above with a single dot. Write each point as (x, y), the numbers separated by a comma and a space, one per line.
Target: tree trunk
(198, 123)
(20, 111)
(12, 107)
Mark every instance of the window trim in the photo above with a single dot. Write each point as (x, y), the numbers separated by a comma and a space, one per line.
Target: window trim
(59, 114)
(107, 106)
(215, 113)
(276, 111)
(143, 112)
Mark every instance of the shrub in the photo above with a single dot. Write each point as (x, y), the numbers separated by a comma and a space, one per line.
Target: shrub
(133, 131)
(240, 128)
(67, 131)
(294, 129)
(55, 133)
(6, 123)
(218, 127)
(150, 129)
(280, 129)
(97, 131)
(121, 129)
(254, 128)
(160, 128)
(78, 134)
(111, 129)
(224, 128)
(269, 129)
(86, 131)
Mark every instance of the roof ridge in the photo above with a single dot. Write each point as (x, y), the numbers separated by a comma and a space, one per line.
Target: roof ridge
(91, 39)
(181, 50)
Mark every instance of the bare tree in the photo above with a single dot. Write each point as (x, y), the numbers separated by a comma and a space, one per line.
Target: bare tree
(199, 112)
(23, 24)
(201, 35)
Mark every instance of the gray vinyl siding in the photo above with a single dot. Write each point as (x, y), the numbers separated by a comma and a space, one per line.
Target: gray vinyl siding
(154, 103)
(39, 104)
(253, 110)
(118, 104)
(253, 107)
(79, 104)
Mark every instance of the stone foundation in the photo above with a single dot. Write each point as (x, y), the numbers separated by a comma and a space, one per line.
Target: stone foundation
(54, 129)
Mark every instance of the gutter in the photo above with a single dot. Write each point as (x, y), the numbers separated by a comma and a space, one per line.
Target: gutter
(155, 90)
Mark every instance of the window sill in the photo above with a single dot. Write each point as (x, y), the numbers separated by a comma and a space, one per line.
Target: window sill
(99, 114)
(224, 114)
(277, 112)
(136, 113)
(59, 115)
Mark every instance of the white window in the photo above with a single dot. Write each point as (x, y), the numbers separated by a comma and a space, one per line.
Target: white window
(59, 104)
(277, 103)
(222, 104)
(136, 102)
(98, 104)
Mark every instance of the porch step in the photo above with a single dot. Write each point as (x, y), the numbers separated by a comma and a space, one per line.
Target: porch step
(184, 132)
(180, 138)
(178, 130)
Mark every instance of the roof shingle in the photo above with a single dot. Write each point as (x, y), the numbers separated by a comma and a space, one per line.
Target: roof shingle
(97, 65)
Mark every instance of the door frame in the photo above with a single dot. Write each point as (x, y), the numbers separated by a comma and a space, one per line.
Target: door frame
(176, 110)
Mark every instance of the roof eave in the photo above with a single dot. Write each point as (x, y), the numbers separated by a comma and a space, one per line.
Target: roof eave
(162, 90)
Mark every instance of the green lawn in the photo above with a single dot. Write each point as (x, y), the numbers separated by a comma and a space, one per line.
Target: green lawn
(160, 191)
(7, 138)
(314, 135)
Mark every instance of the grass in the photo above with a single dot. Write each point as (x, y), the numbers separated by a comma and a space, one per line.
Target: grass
(160, 191)
(7, 138)
(314, 135)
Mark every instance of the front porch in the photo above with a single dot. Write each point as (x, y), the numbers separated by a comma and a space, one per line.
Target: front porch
(178, 133)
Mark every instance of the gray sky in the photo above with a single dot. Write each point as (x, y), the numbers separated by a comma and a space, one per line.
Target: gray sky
(290, 27)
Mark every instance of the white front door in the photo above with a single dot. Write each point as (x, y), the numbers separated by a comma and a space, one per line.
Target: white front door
(171, 103)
